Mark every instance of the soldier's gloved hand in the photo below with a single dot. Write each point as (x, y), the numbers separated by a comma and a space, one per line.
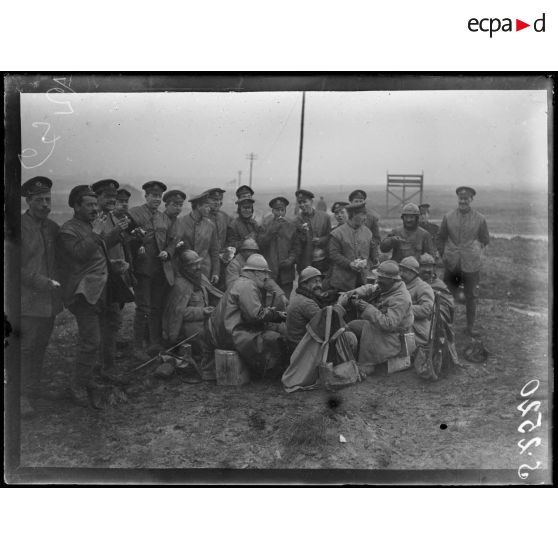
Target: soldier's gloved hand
(214, 279)
(53, 285)
(163, 255)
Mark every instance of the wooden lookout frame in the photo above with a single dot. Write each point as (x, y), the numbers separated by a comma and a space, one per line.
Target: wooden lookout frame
(403, 181)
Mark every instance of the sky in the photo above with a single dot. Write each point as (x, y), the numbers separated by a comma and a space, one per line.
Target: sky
(200, 140)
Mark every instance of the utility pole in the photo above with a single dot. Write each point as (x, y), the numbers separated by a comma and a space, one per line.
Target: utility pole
(251, 157)
(301, 141)
(239, 178)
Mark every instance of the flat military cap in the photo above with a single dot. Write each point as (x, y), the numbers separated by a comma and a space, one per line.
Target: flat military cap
(411, 263)
(244, 192)
(216, 191)
(278, 202)
(36, 185)
(199, 197)
(388, 269)
(78, 192)
(241, 201)
(154, 185)
(304, 194)
(174, 195)
(123, 194)
(466, 190)
(357, 194)
(105, 186)
(425, 205)
(338, 205)
(354, 208)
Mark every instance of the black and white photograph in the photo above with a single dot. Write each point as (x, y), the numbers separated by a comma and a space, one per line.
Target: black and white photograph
(278, 278)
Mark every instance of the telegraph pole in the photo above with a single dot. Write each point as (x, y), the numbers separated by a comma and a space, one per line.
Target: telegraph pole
(251, 157)
(239, 178)
(301, 141)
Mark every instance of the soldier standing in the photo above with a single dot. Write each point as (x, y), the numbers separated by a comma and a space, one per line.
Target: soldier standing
(427, 225)
(372, 218)
(409, 239)
(152, 269)
(244, 225)
(463, 235)
(40, 290)
(86, 265)
(278, 243)
(221, 220)
(313, 228)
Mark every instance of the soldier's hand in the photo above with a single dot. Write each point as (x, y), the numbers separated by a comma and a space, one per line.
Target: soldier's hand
(122, 223)
(353, 265)
(316, 240)
(208, 310)
(141, 251)
(163, 255)
(214, 279)
(343, 299)
(52, 284)
(361, 305)
(98, 224)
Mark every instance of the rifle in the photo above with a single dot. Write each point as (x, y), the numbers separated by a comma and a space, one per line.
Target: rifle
(164, 352)
(432, 334)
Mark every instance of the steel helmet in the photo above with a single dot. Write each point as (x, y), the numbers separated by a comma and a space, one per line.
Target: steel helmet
(427, 259)
(309, 273)
(410, 209)
(249, 244)
(190, 257)
(410, 263)
(388, 269)
(256, 262)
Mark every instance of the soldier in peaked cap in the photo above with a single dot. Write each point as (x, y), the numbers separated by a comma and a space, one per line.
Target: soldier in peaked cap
(278, 243)
(409, 239)
(352, 251)
(244, 192)
(244, 225)
(372, 217)
(385, 312)
(339, 212)
(197, 232)
(40, 287)
(312, 236)
(152, 268)
(221, 220)
(86, 292)
(463, 236)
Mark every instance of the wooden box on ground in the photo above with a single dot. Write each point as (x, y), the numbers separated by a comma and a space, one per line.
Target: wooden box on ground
(229, 369)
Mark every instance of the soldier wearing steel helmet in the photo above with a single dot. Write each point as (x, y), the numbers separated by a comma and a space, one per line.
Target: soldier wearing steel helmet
(242, 321)
(422, 297)
(190, 302)
(409, 239)
(385, 312)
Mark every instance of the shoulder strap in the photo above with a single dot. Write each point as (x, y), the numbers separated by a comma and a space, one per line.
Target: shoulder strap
(325, 344)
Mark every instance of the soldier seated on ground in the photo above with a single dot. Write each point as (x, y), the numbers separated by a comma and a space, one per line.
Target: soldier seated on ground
(243, 323)
(385, 313)
(189, 305)
(234, 271)
(422, 297)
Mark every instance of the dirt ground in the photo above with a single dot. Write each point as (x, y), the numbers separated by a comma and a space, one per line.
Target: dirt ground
(466, 420)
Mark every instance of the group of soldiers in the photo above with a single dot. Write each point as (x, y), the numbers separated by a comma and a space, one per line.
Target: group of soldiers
(226, 282)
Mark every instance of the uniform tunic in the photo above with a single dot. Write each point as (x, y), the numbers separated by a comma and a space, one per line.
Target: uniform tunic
(422, 297)
(462, 236)
(240, 229)
(373, 223)
(415, 243)
(345, 245)
(299, 313)
(382, 322)
(278, 245)
(319, 225)
(221, 221)
(199, 234)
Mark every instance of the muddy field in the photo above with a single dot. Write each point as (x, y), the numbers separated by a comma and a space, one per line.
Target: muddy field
(466, 420)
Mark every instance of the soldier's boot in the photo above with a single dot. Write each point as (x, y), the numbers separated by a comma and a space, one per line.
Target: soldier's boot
(140, 329)
(78, 385)
(471, 312)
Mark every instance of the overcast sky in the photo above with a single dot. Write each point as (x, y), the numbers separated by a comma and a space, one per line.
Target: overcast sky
(199, 140)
